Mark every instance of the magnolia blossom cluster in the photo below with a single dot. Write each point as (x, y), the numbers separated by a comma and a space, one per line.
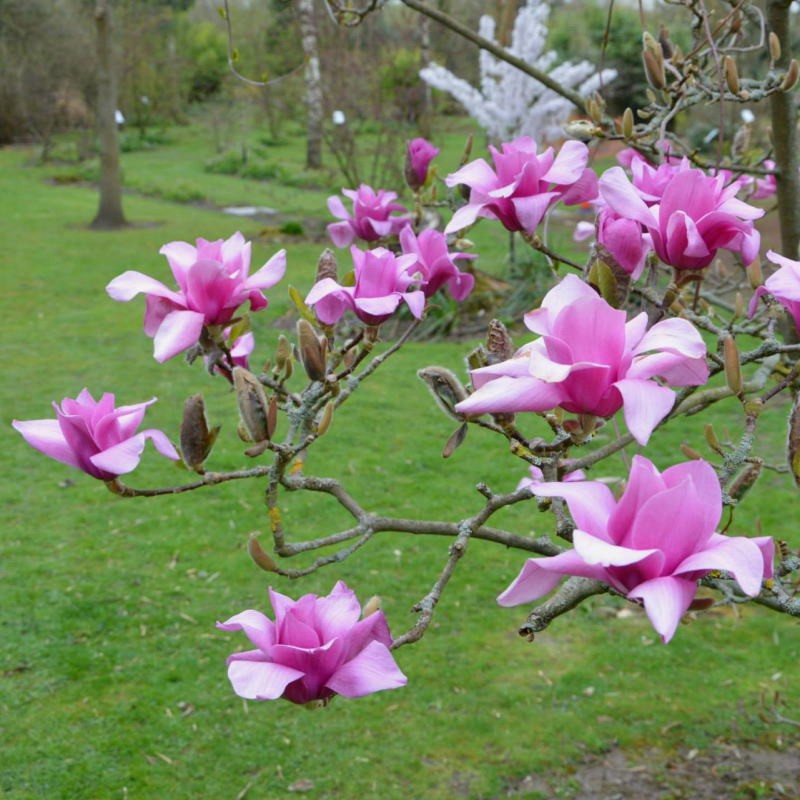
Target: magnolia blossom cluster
(213, 282)
(95, 436)
(316, 647)
(591, 360)
(523, 185)
(682, 214)
(652, 545)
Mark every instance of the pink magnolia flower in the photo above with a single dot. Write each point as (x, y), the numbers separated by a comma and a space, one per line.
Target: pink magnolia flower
(419, 154)
(94, 436)
(620, 240)
(383, 281)
(523, 185)
(316, 647)
(213, 282)
(766, 185)
(697, 215)
(652, 545)
(436, 263)
(370, 219)
(590, 360)
(783, 285)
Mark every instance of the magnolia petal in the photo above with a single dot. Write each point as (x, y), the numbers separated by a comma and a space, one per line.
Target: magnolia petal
(676, 335)
(415, 302)
(45, 435)
(541, 575)
(507, 395)
(737, 555)
(126, 286)
(121, 458)
(531, 210)
(620, 194)
(372, 670)
(260, 680)
(338, 612)
(569, 164)
(161, 443)
(666, 600)
(258, 628)
(268, 275)
(706, 483)
(675, 369)
(336, 207)
(595, 551)
(178, 332)
(464, 217)
(476, 174)
(341, 233)
(590, 503)
(644, 405)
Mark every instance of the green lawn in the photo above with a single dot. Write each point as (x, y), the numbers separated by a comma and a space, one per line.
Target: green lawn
(112, 674)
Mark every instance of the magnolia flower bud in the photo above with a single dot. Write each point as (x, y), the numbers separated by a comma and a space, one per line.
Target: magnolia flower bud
(733, 366)
(325, 419)
(259, 555)
(313, 351)
(792, 74)
(754, 274)
(455, 440)
(445, 388)
(283, 354)
(253, 405)
(653, 58)
(746, 479)
(371, 606)
(690, 452)
(711, 438)
(327, 267)
(196, 438)
(627, 123)
(793, 440)
(499, 346)
(774, 46)
(731, 75)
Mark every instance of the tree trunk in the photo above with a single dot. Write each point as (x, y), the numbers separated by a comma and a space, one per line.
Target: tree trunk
(426, 106)
(315, 113)
(109, 212)
(783, 112)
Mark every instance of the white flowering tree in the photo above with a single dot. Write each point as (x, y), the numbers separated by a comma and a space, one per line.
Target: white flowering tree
(508, 103)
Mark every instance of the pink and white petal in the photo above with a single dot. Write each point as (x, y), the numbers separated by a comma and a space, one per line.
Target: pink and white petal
(372, 670)
(675, 369)
(126, 286)
(121, 458)
(161, 443)
(268, 275)
(541, 575)
(181, 256)
(514, 367)
(595, 551)
(336, 207)
(620, 194)
(676, 335)
(507, 395)
(464, 217)
(666, 600)
(258, 628)
(260, 680)
(569, 164)
(46, 436)
(476, 174)
(735, 554)
(178, 332)
(415, 302)
(531, 210)
(583, 190)
(706, 483)
(341, 233)
(568, 291)
(337, 613)
(590, 503)
(378, 306)
(644, 405)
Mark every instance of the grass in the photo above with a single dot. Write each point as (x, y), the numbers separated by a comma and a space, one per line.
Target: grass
(112, 675)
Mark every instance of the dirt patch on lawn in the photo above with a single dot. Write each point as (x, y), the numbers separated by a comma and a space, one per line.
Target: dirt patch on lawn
(723, 772)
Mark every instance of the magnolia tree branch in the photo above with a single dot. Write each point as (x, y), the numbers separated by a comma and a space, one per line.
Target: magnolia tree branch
(570, 594)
